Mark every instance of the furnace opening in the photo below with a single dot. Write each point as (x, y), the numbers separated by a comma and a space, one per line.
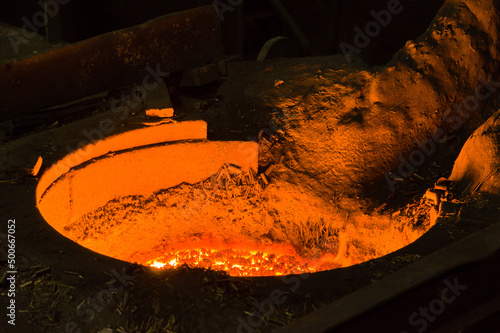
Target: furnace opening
(203, 204)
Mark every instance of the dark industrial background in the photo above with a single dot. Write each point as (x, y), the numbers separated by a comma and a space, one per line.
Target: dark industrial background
(325, 23)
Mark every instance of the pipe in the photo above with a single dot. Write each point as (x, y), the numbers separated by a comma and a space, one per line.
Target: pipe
(166, 44)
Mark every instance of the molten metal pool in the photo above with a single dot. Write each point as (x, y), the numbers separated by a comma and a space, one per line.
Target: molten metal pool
(166, 197)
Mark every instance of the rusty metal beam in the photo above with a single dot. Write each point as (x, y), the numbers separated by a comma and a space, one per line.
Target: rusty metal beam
(168, 44)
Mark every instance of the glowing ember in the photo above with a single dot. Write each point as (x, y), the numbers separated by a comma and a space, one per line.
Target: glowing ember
(158, 264)
(243, 262)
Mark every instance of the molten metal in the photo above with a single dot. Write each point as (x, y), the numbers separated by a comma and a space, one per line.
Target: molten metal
(279, 260)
